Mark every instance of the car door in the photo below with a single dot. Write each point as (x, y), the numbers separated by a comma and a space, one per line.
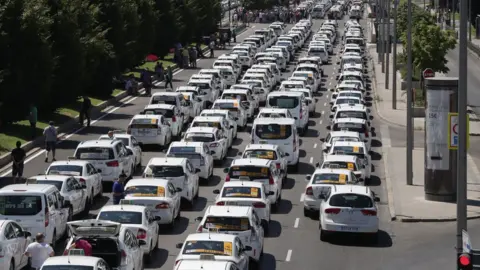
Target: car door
(132, 258)
(258, 229)
(137, 151)
(191, 183)
(243, 258)
(172, 191)
(221, 139)
(74, 193)
(22, 243)
(166, 128)
(122, 158)
(96, 179)
(60, 214)
(129, 159)
(11, 245)
(136, 251)
(152, 226)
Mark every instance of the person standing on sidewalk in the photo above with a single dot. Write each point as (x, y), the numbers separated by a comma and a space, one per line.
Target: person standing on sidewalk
(50, 134)
(85, 111)
(32, 117)
(18, 159)
(39, 251)
(169, 78)
(212, 48)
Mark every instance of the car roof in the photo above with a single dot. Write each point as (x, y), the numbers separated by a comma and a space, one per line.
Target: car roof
(274, 110)
(166, 94)
(344, 133)
(123, 207)
(73, 162)
(98, 143)
(202, 130)
(272, 147)
(173, 161)
(349, 120)
(243, 183)
(258, 162)
(228, 211)
(72, 260)
(192, 144)
(343, 143)
(54, 177)
(208, 118)
(147, 182)
(334, 171)
(344, 158)
(211, 237)
(274, 120)
(36, 188)
(160, 106)
(357, 189)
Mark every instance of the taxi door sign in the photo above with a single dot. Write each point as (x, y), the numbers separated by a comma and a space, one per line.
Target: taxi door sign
(161, 192)
(342, 178)
(254, 192)
(356, 149)
(351, 167)
(227, 248)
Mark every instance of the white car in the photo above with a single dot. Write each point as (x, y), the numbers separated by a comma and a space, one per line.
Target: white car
(349, 208)
(130, 142)
(139, 220)
(351, 163)
(244, 57)
(110, 240)
(150, 129)
(159, 195)
(311, 102)
(204, 264)
(83, 171)
(214, 247)
(180, 171)
(216, 122)
(196, 102)
(313, 81)
(213, 137)
(332, 137)
(75, 262)
(319, 183)
(241, 221)
(259, 170)
(351, 100)
(242, 97)
(70, 188)
(246, 194)
(14, 241)
(198, 153)
(357, 149)
(234, 116)
(270, 152)
(171, 114)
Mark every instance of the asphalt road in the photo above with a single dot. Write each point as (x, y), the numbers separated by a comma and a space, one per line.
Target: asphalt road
(293, 240)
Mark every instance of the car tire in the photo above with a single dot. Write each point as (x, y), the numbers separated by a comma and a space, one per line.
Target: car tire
(306, 212)
(12, 265)
(265, 226)
(323, 235)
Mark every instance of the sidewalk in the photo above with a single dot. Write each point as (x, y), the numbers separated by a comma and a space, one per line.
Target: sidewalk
(407, 203)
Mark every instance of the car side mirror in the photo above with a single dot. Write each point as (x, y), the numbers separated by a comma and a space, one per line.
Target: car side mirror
(226, 170)
(129, 152)
(236, 118)
(317, 165)
(296, 118)
(142, 113)
(376, 199)
(282, 171)
(179, 245)
(287, 154)
(67, 204)
(231, 126)
(328, 127)
(308, 177)
(178, 189)
(322, 139)
(363, 166)
(198, 219)
(197, 170)
(270, 193)
(247, 248)
(83, 185)
(182, 114)
(331, 89)
(216, 191)
(212, 152)
(27, 234)
(239, 154)
(316, 99)
(99, 171)
(371, 117)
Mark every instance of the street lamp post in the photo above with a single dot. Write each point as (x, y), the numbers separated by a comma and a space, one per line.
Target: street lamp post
(394, 52)
(409, 96)
(389, 46)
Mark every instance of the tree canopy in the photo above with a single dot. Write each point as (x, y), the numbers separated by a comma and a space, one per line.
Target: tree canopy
(54, 51)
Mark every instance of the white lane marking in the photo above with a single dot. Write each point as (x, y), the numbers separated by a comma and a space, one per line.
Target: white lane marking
(315, 146)
(297, 221)
(321, 121)
(330, 83)
(327, 96)
(289, 255)
(323, 112)
(311, 159)
(325, 104)
(302, 197)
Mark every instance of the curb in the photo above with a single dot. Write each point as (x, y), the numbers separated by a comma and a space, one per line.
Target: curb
(431, 220)
(95, 111)
(389, 187)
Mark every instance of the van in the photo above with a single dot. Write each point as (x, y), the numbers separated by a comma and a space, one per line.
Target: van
(37, 208)
(281, 132)
(296, 105)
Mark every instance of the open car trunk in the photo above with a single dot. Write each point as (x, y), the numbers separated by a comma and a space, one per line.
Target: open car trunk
(105, 248)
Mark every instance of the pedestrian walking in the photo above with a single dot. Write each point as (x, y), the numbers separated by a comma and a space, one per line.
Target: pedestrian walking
(169, 78)
(18, 159)
(212, 48)
(50, 134)
(193, 56)
(39, 252)
(146, 79)
(85, 111)
(32, 117)
(199, 50)
(118, 189)
(159, 71)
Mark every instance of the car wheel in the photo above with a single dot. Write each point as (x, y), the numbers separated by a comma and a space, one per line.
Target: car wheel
(323, 235)
(306, 212)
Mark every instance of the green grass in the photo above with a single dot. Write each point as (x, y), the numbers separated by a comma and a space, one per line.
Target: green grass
(21, 131)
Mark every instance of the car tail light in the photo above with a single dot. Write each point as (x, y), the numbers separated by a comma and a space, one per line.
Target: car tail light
(270, 180)
(213, 144)
(162, 206)
(129, 130)
(113, 163)
(174, 119)
(309, 191)
(141, 234)
(220, 203)
(333, 211)
(82, 181)
(227, 179)
(259, 205)
(199, 229)
(47, 217)
(366, 134)
(369, 212)
(278, 165)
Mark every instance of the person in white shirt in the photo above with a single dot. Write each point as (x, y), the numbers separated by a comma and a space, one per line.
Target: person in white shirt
(39, 251)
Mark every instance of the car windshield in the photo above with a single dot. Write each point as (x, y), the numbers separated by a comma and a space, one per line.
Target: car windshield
(138, 191)
(241, 192)
(72, 170)
(20, 205)
(167, 171)
(67, 267)
(167, 113)
(351, 201)
(199, 247)
(356, 127)
(273, 115)
(199, 137)
(352, 114)
(57, 184)
(260, 153)
(344, 139)
(273, 131)
(329, 178)
(223, 224)
(123, 217)
(94, 153)
(284, 102)
(206, 124)
(251, 172)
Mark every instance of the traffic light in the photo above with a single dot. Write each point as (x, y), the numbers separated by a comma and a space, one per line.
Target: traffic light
(464, 262)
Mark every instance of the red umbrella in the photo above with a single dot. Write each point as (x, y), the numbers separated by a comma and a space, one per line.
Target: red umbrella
(151, 58)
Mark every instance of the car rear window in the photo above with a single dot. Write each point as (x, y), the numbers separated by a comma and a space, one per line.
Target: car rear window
(347, 101)
(94, 153)
(167, 171)
(20, 205)
(206, 124)
(123, 217)
(273, 131)
(329, 178)
(355, 127)
(199, 247)
(144, 123)
(139, 191)
(160, 99)
(199, 137)
(253, 172)
(223, 224)
(351, 200)
(72, 170)
(352, 114)
(241, 192)
(260, 153)
(338, 165)
(285, 102)
(167, 113)
(184, 152)
(269, 115)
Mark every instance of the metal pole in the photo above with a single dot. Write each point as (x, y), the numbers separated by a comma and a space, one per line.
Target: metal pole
(409, 96)
(229, 14)
(470, 20)
(454, 9)
(394, 77)
(382, 39)
(462, 126)
(389, 46)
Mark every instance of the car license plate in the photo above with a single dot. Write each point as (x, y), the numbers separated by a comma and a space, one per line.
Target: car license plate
(348, 229)
(232, 203)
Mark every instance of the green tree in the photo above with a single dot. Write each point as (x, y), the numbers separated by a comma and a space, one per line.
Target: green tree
(209, 15)
(259, 4)
(167, 28)
(148, 26)
(419, 15)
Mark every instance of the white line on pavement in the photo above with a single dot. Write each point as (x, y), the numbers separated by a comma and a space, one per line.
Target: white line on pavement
(315, 146)
(323, 112)
(302, 197)
(321, 121)
(289, 255)
(297, 220)
(330, 83)
(311, 159)
(325, 104)
(327, 96)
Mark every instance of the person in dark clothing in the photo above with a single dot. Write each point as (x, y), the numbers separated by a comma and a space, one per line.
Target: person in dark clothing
(169, 78)
(118, 189)
(85, 111)
(147, 82)
(18, 159)
(159, 71)
(199, 50)
(212, 48)
(234, 35)
(32, 117)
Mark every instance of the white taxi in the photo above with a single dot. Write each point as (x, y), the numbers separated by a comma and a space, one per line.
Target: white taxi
(244, 97)
(158, 195)
(139, 220)
(348, 136)
(207, 263)
(83, 171)
(270, 152)
(70, 188)
(212, 137)
(216, 122)
(349, 209)
(258, 170)
(237, 111)
(174, 118)
(319, 183)
(180, 171)
(351, 163)
(150, 129)
(241, 221)
(195, 100)
(14, 241)
(357, 149)
(229, 115)
(198, 153)
(246, 194)
(311, 79)
(311, 102)
(274, 113)
(214, 246)
(74, 262)
(129, 141)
